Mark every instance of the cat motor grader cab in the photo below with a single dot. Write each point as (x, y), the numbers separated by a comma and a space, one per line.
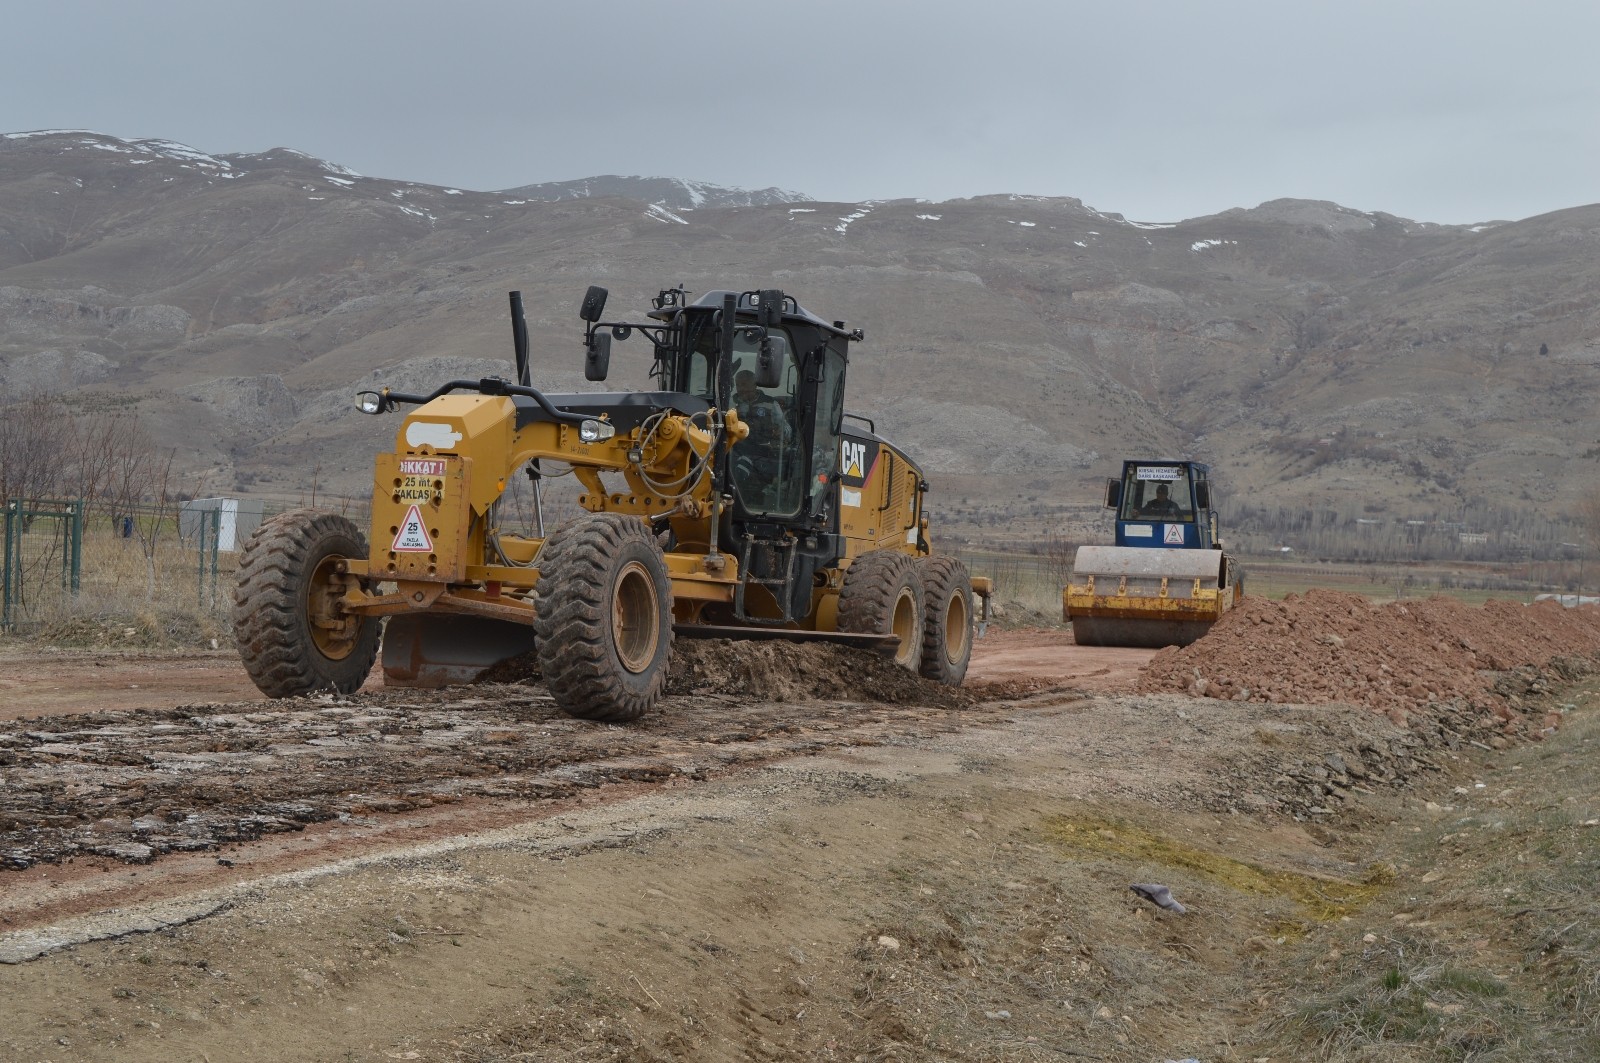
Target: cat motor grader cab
(1167, 580)
(734, 502)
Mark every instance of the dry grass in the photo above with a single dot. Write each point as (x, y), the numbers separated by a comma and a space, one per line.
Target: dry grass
(171, 597)
(1489, 949)
(1027, 586)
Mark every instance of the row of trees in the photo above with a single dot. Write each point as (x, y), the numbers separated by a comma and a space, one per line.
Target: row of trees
(107, 458)
(1469, 533)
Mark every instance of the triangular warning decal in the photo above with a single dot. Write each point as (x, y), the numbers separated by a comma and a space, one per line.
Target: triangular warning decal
(413, 534)
(1173, 535)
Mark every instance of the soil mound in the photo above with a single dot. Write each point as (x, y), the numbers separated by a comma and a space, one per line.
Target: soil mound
(799, 671)
(776, 671)
(1426, 657)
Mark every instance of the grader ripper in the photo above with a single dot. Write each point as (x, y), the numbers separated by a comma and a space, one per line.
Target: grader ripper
(733, 502)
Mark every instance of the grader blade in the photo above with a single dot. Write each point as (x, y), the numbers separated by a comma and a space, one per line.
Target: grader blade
(421, 650)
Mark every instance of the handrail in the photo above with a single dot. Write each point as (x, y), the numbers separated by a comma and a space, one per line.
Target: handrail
(491, 385)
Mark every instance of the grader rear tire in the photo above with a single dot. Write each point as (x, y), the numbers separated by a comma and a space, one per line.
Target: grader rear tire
(604, 627)
(947, 619)
(293, 636)
(882, 595)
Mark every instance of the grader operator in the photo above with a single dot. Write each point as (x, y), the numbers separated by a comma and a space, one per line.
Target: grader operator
(734, 502)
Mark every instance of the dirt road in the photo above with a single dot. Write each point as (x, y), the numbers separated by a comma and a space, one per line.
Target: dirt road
(96, 786)
(35, 682)
(877, 869)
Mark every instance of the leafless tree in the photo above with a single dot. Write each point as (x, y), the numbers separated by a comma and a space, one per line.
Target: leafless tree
(1058, 554)
(34, 434)
(99, 445)
(139, 488)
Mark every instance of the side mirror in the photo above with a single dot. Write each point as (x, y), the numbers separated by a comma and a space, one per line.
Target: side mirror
(1202, 494)
(594, 303)
(769, 371)
(597, 359)
(770, 313)
(370, 401)
(1113, 494)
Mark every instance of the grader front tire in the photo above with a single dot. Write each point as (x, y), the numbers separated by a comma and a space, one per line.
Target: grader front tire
(882, 595)
(947, 619)
(604, 626)
(293, 636)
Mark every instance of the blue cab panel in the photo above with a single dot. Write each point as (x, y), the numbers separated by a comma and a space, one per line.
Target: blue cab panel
(1163, 504)
(1167, 536)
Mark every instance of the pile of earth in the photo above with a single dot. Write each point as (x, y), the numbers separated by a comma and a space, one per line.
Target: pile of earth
(777, 671)
(799, 671)
(1423, 663)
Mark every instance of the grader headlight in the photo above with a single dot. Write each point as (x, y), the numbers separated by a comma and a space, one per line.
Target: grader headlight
(593, 431)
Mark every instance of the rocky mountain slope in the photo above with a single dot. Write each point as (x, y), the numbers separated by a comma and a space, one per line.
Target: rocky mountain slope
(669, 192)
(1020, 346)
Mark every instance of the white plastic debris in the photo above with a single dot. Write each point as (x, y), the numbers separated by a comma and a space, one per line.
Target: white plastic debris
(1158, 895)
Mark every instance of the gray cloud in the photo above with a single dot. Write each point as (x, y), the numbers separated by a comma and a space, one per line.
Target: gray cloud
(1442, 111)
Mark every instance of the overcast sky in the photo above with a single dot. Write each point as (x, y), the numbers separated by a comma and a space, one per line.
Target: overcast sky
(1437, 110)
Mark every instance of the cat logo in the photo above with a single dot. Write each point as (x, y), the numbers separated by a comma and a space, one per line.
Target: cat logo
(852, 459)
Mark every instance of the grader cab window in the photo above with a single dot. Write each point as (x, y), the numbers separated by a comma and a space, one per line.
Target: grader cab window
(769, 466)
(1158, 493)
(699, 374)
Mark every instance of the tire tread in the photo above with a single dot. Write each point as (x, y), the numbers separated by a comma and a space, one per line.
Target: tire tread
(269, 622)
(570, 630)
(872, 584)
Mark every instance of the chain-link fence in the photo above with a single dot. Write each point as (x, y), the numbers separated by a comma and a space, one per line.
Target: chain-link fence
(43, 556)
(64, 557)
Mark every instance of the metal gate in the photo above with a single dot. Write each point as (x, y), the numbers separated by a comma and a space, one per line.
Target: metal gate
(43, 557)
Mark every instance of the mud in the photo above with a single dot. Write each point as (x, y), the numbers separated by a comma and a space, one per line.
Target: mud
(145, 781)
(134, 786)
(784, 671)
(775, 671)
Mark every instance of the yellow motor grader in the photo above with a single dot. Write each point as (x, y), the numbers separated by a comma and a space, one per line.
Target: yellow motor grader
(734, 502)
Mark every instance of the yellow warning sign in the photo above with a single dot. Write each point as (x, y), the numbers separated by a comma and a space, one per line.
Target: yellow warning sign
(413, 534)
(416, 488)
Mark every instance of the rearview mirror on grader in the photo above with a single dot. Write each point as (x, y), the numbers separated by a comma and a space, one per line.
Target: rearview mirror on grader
(731, 503)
